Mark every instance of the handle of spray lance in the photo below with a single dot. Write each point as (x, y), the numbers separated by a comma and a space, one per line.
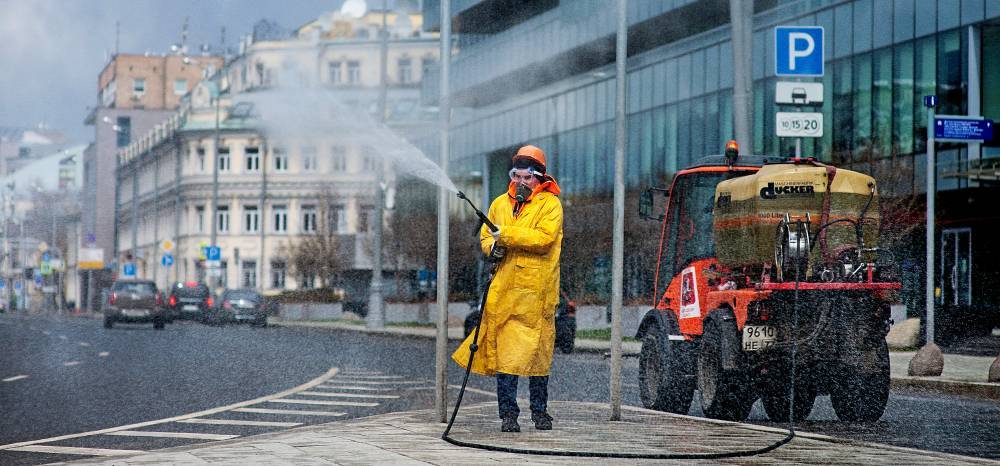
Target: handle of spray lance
(497, 252)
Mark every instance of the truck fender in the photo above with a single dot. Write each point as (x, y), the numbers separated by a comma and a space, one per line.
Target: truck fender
(731, 348)
(656, 320)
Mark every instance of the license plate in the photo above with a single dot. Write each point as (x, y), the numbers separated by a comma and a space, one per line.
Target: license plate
(759, 337)
(190, 307)
(135, 313)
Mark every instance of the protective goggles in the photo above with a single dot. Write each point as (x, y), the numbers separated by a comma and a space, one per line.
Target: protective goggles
(524, 171)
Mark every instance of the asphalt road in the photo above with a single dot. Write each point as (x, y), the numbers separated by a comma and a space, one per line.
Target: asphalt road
(62, 377)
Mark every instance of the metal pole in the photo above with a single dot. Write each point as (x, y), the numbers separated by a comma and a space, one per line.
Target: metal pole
(213, 280)
(135, 215)
(262, 150)
(798, 148)
(441, 343)
(974, 93)
(929, 270)
(376, 303)
(741, 17)
(618, 238)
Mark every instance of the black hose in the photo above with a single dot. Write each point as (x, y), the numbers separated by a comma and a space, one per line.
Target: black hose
(473, 347)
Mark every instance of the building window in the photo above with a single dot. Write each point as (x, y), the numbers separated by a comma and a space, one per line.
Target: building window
(199, 214)
(338, 221)
(123, 130)
(307, 282)
(224, 273)
(180, 86)
(368, 163)
(138, 87)
(251, 219)
(405, 70)
(280, 159)
(309, 158)
(249, 274)
(353, 72)
(309, 219)
(252, 159)
(365, 214)
(338, 158)
(223, 162)
(200, 152)
(335, 75)
(222, 218)
(278, 272)
(280, 218)
(426, 64)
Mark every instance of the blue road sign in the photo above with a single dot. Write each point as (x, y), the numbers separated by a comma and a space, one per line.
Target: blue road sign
(167, 260)
(17, 285)
(958, 128)
(798, 51)
(46, 256)
(3, 284)
(128, 269)
(213, 253)
(38, 280)
(930, 101)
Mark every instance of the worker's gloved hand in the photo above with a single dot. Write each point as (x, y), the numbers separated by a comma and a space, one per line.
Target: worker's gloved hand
(496, 235)
(497, 253)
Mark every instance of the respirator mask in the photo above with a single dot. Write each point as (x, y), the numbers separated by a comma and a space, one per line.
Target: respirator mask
(522, 192)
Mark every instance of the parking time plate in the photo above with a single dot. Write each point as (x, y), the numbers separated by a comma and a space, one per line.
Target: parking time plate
(759, 337)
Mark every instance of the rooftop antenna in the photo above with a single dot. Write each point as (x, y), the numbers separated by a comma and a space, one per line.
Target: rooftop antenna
(222, 41)
(184, 35)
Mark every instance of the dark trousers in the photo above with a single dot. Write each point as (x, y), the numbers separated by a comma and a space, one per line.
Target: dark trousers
(507, 393)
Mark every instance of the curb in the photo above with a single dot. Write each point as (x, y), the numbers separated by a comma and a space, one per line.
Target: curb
(982, 390)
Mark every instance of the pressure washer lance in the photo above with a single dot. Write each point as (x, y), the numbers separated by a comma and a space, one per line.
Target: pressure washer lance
(473, 347)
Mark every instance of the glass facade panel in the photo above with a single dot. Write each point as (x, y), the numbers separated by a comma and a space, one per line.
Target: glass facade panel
(646, 148)
(924, 77)
(659, 144)
(951, 72)
(843, 113)
(698, 73)
(697, 128)
(863, 25)
(684, 77)
(882, 33)
(725, 117)
(882, 102)
(842, 18)
(712, 69)
(862, 76)
(925, 21)
(826, 142)
(949, 12)
(711, 135)
(670, 138)
(632, 156)
(902, 20)
(902, 101)
(683, 134)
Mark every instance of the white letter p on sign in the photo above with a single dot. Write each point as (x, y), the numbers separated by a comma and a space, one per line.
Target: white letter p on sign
(793, 52)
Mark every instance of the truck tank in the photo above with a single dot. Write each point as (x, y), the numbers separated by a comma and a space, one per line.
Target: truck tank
(748, 211)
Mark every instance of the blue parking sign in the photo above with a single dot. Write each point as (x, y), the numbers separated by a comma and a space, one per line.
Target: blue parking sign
(798, 51)
(213, 253)
(167, 260)
(128, 269)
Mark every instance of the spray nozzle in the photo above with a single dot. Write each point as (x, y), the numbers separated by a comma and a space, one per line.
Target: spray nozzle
(482, 217)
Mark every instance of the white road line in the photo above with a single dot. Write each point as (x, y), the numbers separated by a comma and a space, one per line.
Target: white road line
(295, 412)
(474, 390)
(349, 395)
(346, 387)
(63, 337)
(16, 377)
(84, 344)
(236, 422)
(75, 450)
(310, 384)
(103, 354)
(46, 332)
(189, 435)
(71, 363)
(359, 372)
(370, 382)
(323, 402)
(373, 376)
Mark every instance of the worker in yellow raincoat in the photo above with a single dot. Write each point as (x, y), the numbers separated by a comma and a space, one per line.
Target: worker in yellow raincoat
(518, 322)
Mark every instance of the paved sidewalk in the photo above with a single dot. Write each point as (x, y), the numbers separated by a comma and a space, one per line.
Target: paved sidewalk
(963, 375)
(414, 438)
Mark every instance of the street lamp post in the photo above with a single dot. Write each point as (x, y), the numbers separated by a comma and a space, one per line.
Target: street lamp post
(376, 301)
(212, 280)
(441, 341)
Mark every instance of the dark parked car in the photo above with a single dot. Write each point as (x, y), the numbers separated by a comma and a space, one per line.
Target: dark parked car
(135, 301)
(565, 322)
(189, 300)
(238, 306)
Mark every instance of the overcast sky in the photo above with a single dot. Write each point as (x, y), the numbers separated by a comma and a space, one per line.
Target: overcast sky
(52, 50)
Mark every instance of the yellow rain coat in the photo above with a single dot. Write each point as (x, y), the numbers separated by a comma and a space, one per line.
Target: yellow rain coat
(518, 329)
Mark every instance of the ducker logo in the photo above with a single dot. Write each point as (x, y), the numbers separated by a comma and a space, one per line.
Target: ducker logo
(772, 192)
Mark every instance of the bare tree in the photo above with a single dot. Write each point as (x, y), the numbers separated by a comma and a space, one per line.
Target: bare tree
(320, 253)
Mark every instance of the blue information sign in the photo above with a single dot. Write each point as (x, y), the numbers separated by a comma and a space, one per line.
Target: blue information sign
(798, 51)
(3, 284)
(958, 128)
(167, 260)
(213, 253)
(128, 269)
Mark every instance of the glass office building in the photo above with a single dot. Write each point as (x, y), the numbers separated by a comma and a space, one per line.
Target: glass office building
(542, 72)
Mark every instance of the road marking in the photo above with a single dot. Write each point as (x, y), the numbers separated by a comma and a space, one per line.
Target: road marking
(323, 402)
(370, 382)
(347, 387)
(236, 422)
(474, 390)
(84, 344)
(349, 395)
(373, 376)
(71, 363)
(63, 337)
(75, 450)
(46, 332)
(289, 411)
(103, 354)
(189, 435)
(354, 373)
(310, 384)
(16, 377)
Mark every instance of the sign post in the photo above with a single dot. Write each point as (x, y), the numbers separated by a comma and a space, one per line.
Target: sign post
(799, 52)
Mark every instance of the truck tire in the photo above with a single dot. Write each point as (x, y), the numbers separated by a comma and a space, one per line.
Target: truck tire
(861, 395)
(776, 401)
(664, 384)
(725, 392)
(108, 322)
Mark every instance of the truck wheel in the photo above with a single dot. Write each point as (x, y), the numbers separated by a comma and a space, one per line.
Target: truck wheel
(725, 393)
(108, 322)
(776, 402)
(663, 384)
(861, 395)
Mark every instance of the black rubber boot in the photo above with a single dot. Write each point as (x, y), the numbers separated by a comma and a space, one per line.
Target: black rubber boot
(542, 420)
(510, 424)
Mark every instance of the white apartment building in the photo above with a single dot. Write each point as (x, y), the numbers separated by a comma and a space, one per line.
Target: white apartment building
(273, 190)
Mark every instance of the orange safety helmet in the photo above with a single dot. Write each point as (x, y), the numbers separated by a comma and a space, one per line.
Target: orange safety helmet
(531, 154)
